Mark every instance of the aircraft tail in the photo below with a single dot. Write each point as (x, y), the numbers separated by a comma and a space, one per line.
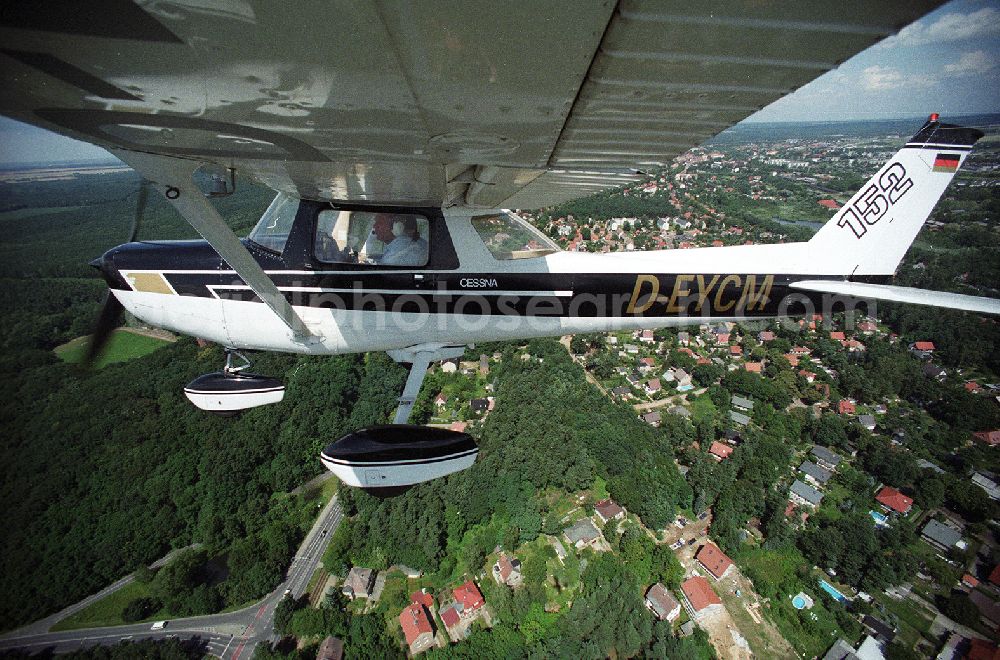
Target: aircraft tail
(872, 232)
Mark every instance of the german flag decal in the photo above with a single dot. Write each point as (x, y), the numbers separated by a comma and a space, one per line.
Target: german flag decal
(946, 163)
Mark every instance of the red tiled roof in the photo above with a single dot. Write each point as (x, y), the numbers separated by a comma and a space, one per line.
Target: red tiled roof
(450, 616)
(754, 367)
(837, 336)
(713, 559)
(981, 649)
(989, 437)
(469, 596)
(720, 450)
(924, 345)
(699, 593)
(421, 598)
(972, 386)
(829, 203)
(792, 358)
(736, 350)
(970, 580)
(894, 499)
(845, 407)
(415, 622)
(458, 426)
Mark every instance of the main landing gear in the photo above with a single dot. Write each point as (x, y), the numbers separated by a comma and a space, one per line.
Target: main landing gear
(230, 391)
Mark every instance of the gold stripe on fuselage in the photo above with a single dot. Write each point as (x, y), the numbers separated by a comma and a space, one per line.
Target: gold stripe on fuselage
(149, 283)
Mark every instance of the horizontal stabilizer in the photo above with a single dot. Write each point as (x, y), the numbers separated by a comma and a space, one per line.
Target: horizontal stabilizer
(902, 294)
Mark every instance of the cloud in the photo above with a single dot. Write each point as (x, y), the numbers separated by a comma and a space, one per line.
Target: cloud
(883, 78)
(949, 27)
(975, 63)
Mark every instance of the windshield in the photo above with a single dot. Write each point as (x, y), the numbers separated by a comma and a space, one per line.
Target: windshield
(509, 237)
(272, 230)
(386, 239)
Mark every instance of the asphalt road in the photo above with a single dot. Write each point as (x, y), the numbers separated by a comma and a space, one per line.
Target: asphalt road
(229, 636)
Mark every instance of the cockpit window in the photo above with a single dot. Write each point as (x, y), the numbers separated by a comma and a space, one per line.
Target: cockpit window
(363, 237)
(509, 237)
(272, 230)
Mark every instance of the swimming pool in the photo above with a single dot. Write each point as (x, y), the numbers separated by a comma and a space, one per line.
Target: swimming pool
(879, 518)
(830, 589)
(801, 601)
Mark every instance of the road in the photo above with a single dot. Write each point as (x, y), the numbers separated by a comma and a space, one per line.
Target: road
(229, 636)
(43, 625)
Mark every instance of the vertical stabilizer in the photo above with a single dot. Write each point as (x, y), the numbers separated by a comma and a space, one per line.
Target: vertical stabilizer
(872, 232)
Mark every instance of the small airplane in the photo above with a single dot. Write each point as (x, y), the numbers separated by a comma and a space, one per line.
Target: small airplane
(398, 137)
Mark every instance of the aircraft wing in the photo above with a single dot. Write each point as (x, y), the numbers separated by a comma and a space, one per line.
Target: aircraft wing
(902, 294)
(497, 104)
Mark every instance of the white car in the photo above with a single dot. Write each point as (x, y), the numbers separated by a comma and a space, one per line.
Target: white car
(159, 625)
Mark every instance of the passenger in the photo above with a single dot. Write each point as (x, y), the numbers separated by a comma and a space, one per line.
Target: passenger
(403, 244)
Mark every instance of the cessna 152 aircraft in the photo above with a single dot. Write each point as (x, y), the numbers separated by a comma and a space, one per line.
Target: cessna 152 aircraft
(396, 134)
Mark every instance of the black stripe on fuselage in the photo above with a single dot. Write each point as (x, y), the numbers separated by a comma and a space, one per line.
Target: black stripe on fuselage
(526, 294)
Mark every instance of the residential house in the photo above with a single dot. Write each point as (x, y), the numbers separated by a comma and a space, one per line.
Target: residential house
(940, 536)
(765, 336)
(646, 336)
(736, 351)
(440, 400)
(452, 618)
(853, 345)
(837, 336)
(683, 338)
(622, 392)
(924, 464)
(846, 407)
(754, 367)
(652, 418)
(507, 570)
(793, 359)
(922, 349)
(470, 597)
(662, 603)
(826, 458)
(582, 533)
(449, 366)
(739, 418)
(799, 351)
(417, 628)
(989, 609)
(867, 421)
(699, 596)
(646, 363)
(991, 438)
(479, 405)
(969, 581)
(815, 473)
(808, 375)
(867, 327)
(879, 628)
(653, 386)
(422, 597)
(719, 450)
(894, 500)
(360, 583)
(679, 410)
(803, 493)
(608, 510)
(714, 560)
(742, 404)
(935, 372)
(682, 377)
(988, 483)
(332, 648)
(458, 426)
(484, 365)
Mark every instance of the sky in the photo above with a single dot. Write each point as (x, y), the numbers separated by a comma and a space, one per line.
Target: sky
(947, 62)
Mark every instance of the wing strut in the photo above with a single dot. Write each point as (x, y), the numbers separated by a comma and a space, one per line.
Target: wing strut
(178, 187)
(419, 358)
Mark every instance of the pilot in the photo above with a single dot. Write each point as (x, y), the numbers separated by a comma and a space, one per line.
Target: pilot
(403, 244)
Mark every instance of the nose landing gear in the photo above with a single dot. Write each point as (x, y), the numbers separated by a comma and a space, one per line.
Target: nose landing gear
(230, 391)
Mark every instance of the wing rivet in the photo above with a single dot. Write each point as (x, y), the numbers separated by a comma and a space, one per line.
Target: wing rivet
(173, 193)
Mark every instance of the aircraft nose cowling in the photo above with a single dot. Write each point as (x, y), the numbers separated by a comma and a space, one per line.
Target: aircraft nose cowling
(106, 265)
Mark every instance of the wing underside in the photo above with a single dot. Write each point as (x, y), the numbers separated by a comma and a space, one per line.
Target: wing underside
(483, 104)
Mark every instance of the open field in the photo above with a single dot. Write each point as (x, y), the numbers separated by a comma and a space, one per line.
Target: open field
(122, 347)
